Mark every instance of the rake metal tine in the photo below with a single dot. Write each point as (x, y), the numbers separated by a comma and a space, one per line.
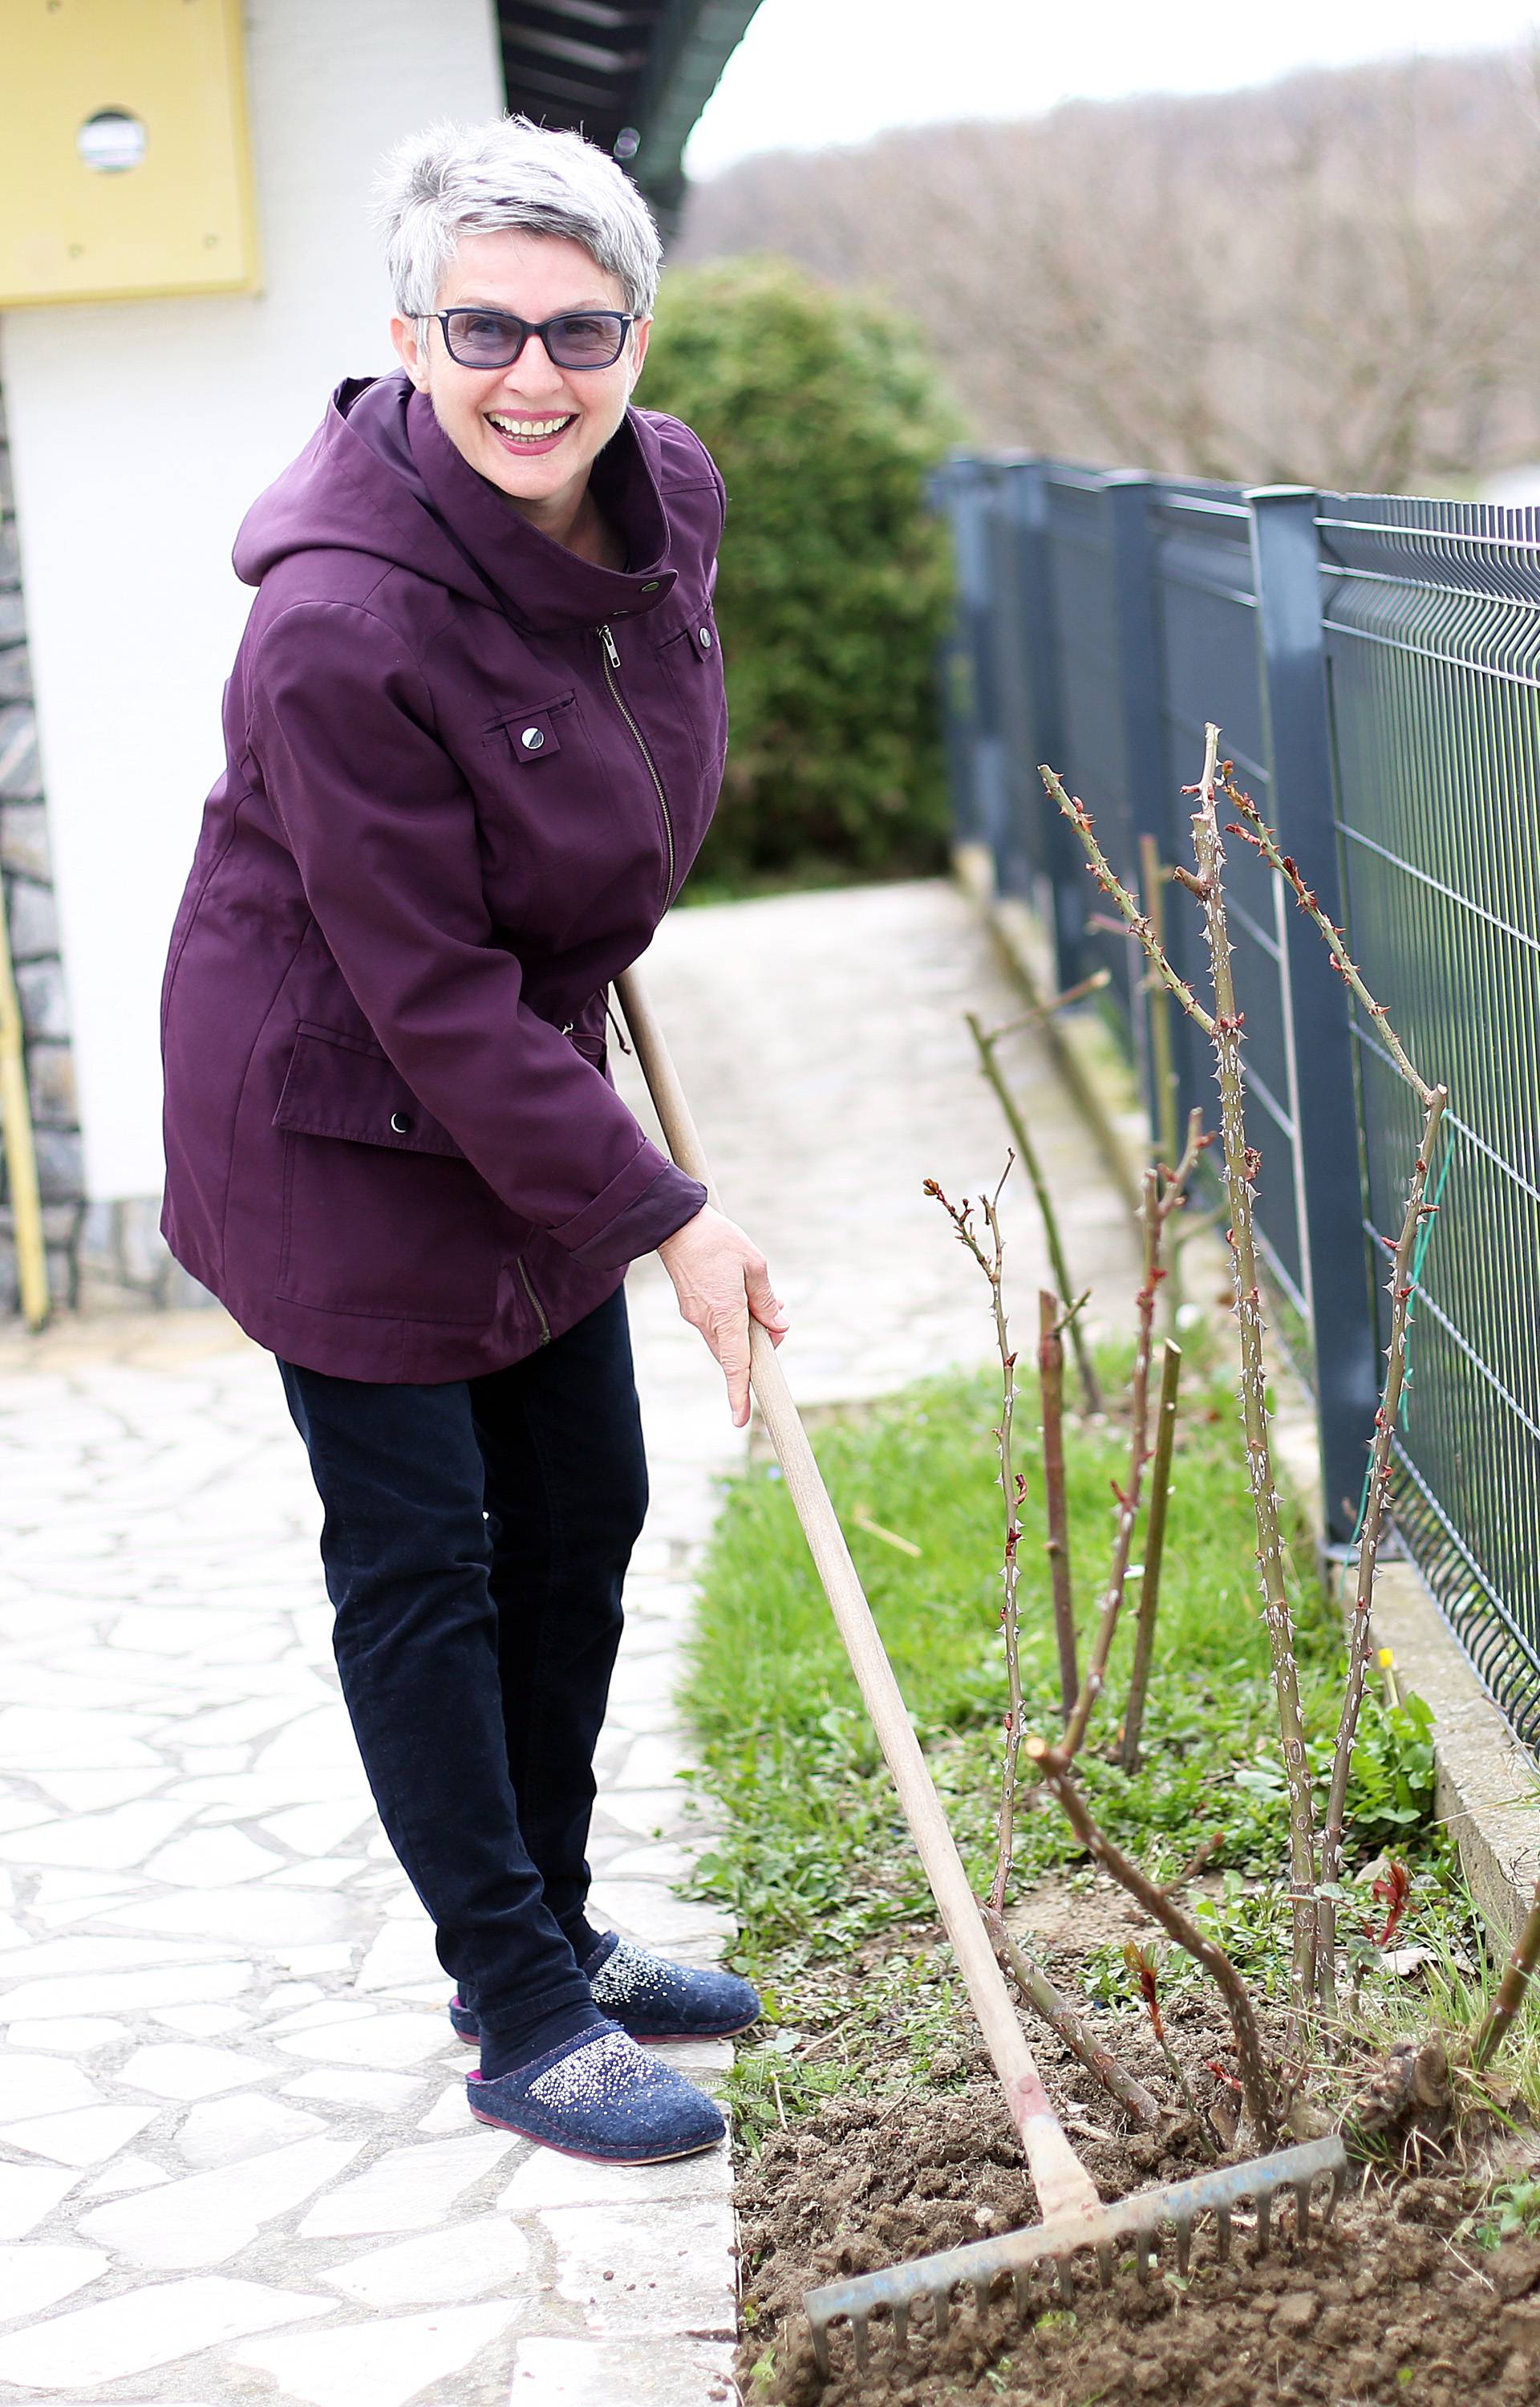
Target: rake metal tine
(1302, 2215)
(1021, 2283)
(860, 2334)
(1184, 2242)
(820, 2345)
(1221, 2234)
(1335, 2195)
(980, 2295)
(1107, 2265)
(940, 2308)
(1066, 2279)
(1265, 2221)
(901, 2328)
(1144, 2253)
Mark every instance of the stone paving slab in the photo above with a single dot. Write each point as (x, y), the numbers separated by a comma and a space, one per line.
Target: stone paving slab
(236, 2158)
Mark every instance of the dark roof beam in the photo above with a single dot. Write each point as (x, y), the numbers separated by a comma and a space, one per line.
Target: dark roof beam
(608, 18)
(579, 54)
(574, 101)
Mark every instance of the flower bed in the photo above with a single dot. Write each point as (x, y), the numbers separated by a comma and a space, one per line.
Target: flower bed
(868, 2128)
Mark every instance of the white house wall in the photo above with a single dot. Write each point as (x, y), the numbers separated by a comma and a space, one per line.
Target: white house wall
(140, 432)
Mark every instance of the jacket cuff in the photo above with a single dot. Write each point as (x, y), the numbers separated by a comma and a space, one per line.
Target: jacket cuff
(647, 1203)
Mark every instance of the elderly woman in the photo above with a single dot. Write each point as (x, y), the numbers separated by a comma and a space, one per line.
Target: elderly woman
(474, 734)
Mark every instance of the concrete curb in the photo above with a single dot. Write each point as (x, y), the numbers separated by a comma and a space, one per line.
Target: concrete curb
(1487, 1784)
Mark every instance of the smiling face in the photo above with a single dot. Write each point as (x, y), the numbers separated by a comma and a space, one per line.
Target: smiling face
(534, 429)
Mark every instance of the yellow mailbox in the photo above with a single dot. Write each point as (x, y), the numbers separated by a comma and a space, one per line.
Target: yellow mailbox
(124, 164)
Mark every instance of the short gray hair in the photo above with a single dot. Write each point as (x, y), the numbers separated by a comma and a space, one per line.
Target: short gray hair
(509, 175)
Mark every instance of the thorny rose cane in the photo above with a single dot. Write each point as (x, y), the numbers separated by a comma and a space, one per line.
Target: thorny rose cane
(1026, 1153)
(1255, 831)
(1012, 1489)
(1222, 1027)
(1165, 1192)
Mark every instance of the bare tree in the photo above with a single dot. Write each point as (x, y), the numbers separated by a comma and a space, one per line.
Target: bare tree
(1359, 246)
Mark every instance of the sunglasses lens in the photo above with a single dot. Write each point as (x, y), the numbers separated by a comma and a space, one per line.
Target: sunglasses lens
(586, 342)
(480, 338)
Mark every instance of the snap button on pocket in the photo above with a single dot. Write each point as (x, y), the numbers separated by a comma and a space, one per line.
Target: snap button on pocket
(705, 639)
(534, 736)
(400, 1122)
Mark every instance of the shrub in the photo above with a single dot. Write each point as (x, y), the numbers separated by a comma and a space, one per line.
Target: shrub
(835, 579)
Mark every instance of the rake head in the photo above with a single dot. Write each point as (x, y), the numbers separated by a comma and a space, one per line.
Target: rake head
(1142, 2221)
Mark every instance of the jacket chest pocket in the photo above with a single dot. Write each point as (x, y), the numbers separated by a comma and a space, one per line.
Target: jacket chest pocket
(569, 819)
(533, 739)
(382, 1212)
(692, 662)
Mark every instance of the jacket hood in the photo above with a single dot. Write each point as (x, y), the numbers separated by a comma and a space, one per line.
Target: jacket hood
(379, 475)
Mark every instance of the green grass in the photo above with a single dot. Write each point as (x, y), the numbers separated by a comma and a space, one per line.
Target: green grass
(1511, 2210)
(814, 1858)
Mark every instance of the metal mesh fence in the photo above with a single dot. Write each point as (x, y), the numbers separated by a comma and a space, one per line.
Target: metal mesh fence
(1374, 664)
(1431, 631)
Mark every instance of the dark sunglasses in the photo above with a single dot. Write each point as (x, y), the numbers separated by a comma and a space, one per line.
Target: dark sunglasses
(493, 338)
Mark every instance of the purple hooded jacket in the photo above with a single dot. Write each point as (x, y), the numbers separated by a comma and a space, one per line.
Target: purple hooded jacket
(466, 774)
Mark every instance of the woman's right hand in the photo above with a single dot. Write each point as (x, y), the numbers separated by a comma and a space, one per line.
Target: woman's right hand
(721, 1278)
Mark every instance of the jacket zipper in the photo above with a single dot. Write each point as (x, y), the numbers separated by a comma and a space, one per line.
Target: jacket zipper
(529, 1291)
(611, 668)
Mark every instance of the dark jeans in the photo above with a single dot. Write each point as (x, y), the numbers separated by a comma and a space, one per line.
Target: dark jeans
(475, 1539)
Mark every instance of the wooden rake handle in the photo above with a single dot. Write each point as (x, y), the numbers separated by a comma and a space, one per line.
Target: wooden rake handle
(1061, 2184)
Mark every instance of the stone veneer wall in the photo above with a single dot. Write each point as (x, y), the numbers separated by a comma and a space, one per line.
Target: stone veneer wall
(26, 883)
(104, 1255)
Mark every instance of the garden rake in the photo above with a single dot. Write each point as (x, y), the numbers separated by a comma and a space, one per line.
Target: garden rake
(1074, 2218)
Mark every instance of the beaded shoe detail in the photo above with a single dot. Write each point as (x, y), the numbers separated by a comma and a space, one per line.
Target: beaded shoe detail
(599, 2095)
(653, 1999)
(649, 1997)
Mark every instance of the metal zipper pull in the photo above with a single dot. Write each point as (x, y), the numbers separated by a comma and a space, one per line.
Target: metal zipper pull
(610, 646)
(529, 1291)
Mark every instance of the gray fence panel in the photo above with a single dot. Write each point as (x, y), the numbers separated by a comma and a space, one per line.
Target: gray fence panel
(1432, 614)
(1082, 585)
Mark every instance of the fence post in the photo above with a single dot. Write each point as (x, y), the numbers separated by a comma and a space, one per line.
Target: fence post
(1010, 681)
(1128, 494)
(952, 493)
(971, 502)
(1286, 559)
(952, 681)
(1056, 862)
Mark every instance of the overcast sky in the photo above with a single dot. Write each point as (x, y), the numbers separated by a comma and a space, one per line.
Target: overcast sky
(810, 72)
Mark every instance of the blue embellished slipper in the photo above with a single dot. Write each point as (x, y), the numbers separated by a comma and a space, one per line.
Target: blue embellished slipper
(599, 2095)
(655, 2000)
(649, 1997)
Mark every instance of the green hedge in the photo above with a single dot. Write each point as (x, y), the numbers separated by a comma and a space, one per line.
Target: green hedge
(835, 580)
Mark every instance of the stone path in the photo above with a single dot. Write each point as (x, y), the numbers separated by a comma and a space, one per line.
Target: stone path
(235, 2158)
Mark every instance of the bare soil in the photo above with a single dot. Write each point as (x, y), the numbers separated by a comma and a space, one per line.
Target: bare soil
(1389, 2304)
